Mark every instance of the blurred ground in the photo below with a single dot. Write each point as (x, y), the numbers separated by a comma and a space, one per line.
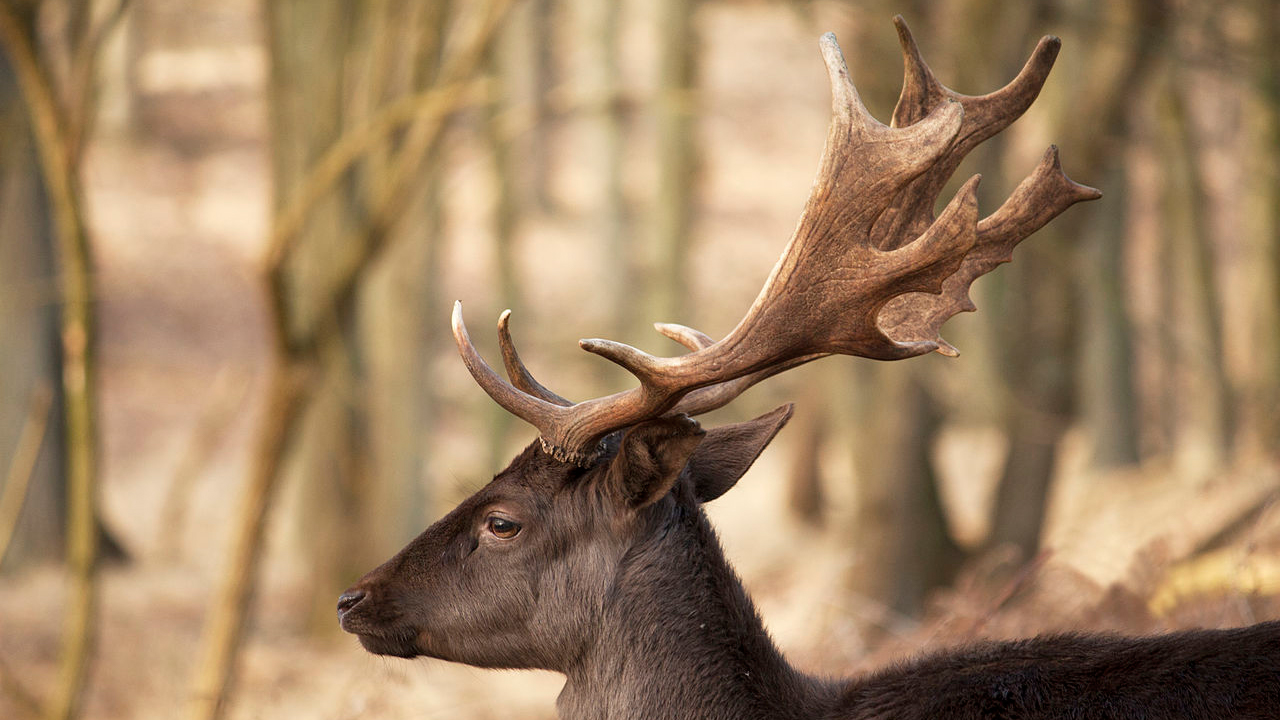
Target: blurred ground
(182, 310)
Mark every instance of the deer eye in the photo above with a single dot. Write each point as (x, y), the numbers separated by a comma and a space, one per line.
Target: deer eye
(502, 528)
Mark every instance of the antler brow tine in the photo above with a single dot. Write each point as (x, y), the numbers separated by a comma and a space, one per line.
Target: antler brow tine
(519, 375)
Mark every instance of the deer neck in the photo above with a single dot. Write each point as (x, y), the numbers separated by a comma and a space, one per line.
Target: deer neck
(679, 637)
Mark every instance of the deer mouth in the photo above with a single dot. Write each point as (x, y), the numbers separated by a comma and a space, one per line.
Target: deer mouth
(376, 625)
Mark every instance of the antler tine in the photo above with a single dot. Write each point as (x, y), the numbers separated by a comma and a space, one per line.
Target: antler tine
(569, 432)
(987, 114)
(520, 376)
(534, 410)
(1045, 194)
(869, 271)
(714, 397)
(686, 336)
(527, 407)
(908, 151)
(1039, 198)
(984, 116)
(845, 101)
(920, 88)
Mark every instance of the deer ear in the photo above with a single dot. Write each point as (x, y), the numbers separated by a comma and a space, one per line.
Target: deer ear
(651, 457)
(727, 452)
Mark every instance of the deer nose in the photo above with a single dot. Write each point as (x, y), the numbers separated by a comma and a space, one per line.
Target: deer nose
(349, 600)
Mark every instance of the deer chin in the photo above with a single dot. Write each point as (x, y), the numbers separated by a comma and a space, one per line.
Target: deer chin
(399, 643)
(380, 637)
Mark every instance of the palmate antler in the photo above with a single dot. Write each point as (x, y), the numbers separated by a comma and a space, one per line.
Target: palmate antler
(869, 271)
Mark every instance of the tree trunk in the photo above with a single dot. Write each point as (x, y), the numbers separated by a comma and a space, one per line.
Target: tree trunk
(598, 31)
(330, 226)
(1269, 39)
(540, 31)
(804, 477)
(30, 354)
(1043, 332)
(912, 552)
(677, 158)
(311, 45)
(58, 119)
(1108, 406)
(1207, 411)
(903, 544)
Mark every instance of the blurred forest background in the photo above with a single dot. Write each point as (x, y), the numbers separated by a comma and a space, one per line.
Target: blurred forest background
(231, 233)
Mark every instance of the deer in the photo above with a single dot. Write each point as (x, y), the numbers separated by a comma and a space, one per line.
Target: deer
(591, 555)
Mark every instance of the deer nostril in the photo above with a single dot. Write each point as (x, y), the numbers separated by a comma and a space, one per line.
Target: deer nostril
(349, 600)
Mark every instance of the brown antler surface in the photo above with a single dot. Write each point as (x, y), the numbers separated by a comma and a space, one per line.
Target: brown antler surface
(870, 271)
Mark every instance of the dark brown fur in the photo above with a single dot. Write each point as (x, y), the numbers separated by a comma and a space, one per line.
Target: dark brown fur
(616, 579)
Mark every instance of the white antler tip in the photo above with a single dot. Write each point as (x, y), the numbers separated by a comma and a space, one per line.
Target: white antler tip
(832, 55)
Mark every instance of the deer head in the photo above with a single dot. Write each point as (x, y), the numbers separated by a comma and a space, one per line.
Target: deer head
(520, 574)
(516, 575)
